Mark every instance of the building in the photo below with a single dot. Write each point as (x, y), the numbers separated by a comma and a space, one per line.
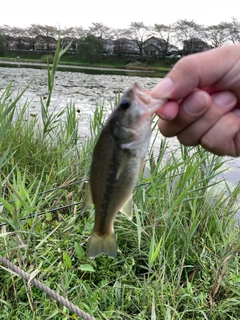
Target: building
(194, 45)
(44, 43)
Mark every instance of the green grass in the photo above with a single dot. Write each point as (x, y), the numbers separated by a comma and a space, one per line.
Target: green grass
(178, 258)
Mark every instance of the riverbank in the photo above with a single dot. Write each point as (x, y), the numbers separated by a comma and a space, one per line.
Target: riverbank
(87, 69)
(100, 67)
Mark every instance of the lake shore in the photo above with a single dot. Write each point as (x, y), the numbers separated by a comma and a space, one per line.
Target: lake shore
(129, 71)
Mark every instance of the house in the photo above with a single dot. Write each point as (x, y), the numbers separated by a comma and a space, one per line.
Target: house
(11, 43)
(131, 47)
(108, 46)
(125, 46)
(65, 42)
(44, 43)
(172, 49)
(157, 46)
(154, 46)
(194, 45)
(24, 43)
(152, 50)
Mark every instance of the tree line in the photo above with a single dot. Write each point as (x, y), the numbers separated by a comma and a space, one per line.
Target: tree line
(170, 35)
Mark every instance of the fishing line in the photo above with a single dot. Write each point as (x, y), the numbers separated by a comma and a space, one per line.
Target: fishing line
(31, 280)
(32, 215)
(57, 188)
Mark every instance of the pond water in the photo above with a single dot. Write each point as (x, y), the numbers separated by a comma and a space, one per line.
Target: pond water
(85, 91)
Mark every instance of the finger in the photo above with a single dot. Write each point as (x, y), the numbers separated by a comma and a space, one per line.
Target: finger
(190, 110)
(224, 137)
(221, 104)
(193, 72)
(168, 111)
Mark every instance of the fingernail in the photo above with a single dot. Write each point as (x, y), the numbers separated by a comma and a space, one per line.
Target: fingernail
(223, 98)
(196, 103)
(163, 89)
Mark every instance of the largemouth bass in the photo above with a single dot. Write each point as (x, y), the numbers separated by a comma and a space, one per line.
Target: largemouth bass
(116, 163)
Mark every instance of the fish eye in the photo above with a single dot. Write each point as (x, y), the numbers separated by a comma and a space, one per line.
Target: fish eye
(125, 104)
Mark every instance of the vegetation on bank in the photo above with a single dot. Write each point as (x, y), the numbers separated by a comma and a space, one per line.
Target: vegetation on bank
(178, 258)
(151, 64)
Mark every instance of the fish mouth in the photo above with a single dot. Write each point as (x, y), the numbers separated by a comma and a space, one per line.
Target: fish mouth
(145, 101)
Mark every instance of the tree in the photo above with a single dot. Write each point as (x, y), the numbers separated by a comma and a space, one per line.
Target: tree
(74, 32)
(120, 42)
(164, 33)
(71, 35)
(90, 48)
(233, 30)
(188, 32)
(216, 35)
(3, 47)
(48, 32)
(99, 30)
(138, 32)
(12, 34)
(7, 30)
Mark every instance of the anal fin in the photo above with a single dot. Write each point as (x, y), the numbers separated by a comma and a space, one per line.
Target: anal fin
(127, 209)
(87, 200)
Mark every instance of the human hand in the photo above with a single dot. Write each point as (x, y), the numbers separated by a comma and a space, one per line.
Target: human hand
(204, 101)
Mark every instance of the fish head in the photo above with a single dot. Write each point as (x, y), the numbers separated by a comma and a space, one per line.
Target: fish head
(135, 106)
(130, 122)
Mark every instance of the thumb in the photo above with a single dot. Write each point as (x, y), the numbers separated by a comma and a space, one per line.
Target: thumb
(206, 70)
(179, 82)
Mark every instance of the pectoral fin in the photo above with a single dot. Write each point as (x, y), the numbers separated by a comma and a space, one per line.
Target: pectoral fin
(87, 201)
(127, 209)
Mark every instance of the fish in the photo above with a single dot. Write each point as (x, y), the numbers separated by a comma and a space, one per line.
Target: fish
(117, 161)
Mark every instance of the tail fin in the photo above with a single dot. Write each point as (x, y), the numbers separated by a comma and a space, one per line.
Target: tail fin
(105, 244)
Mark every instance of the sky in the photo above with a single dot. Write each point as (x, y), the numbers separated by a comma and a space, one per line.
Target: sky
(115, 14)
